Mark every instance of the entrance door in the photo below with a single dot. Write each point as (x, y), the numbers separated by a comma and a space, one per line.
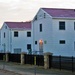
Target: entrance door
(40, 47)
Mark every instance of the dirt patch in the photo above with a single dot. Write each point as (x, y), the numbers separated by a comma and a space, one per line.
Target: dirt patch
(9, 72)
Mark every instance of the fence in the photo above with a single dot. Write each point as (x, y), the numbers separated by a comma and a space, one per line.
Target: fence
(2, 56)
(60, 62)
(15, 58)
(40, 60)
(29, 59)
(46, 60)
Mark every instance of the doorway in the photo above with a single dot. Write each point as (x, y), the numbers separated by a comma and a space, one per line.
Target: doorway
(40, 47)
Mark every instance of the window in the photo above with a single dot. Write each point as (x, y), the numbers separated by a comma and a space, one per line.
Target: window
(17, 50)
(4, 34)
(44, 15)
(28, 46)
(28, 34)
(5, 27)
(74, 46)
(40, 27)
(35, 42)
(62, 41)
(74, 25)
(16, 34)
(61, 25)
(45, 42)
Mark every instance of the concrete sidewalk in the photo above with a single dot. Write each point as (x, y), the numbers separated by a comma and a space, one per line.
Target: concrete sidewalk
(30, 69)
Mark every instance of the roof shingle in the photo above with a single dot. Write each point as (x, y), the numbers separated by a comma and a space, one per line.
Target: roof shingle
(19, 25)
(54, 12)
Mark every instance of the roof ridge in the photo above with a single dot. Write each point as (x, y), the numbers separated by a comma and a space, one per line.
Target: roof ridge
(59, 12)
(17, 22)
(60, 8)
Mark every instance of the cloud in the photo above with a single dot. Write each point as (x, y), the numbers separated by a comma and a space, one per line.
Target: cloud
(22, 10)
(9, 1)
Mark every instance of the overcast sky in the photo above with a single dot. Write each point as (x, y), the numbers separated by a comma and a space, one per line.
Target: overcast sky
(25, 10)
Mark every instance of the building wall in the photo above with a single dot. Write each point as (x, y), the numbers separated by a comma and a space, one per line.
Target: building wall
(9, 43)
(52, 35)
(45, 35)
(21, 41)
(4, 41)
(67, 49)
(0, 39)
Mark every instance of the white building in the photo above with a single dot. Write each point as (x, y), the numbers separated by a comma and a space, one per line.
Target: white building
(54, 31)
(16, 37)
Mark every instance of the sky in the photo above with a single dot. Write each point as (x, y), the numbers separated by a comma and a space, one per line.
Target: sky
(25, 10)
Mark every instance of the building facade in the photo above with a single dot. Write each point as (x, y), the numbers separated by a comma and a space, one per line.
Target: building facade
(16, 37)
(54, 31)
(51, 30)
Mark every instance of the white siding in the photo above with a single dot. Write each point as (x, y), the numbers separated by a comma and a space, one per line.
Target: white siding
(45, 35)
(21, 41)
(0, 39)
(68, 35)
(53, 35)
(6, 39)
(12, 42)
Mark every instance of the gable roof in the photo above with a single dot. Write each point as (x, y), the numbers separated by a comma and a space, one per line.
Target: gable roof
(54, 12)
(19, 25)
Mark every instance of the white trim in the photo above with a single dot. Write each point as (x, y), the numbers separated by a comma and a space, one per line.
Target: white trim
(68, 18)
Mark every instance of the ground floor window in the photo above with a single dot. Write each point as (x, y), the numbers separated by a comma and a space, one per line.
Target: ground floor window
(35, 42)
(74, 45)
(17, 50)
(62, 41)
(29, 49)
(28, 46)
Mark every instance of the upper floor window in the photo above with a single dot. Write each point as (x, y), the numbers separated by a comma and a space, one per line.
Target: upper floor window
(5, 27)
(28, 34)
(4, 34)
(15, 33)
(61, 25)
(40, 27)
(74, 25)
(44, 15)
(62, 41)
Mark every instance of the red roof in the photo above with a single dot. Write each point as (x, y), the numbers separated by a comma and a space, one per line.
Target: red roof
(54, 12)
(19, 25)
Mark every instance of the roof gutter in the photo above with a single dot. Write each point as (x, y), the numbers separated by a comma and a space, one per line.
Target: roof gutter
(68, 18)
(21, 29)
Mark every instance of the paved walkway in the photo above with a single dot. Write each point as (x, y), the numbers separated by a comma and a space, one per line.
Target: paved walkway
(31, 69)
(5, 72)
